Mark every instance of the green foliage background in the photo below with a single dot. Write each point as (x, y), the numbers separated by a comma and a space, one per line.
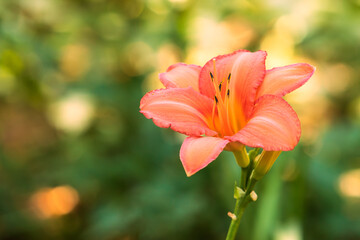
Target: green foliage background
(126, 171)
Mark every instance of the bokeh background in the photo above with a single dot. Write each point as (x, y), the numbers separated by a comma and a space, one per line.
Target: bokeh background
(78, 160)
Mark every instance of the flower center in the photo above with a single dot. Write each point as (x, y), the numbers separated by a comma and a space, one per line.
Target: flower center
(223, 115)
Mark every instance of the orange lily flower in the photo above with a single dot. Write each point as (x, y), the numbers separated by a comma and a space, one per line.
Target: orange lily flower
(230, 102)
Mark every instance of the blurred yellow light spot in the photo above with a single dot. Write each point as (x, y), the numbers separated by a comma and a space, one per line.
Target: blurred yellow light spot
(178, 1)
(138, 58)
(152, 82)
(37, 6)
(349, 183)
(239, 32)
(336, 78)
(40, 10)
(74, 60)
(158, 6)
(52, 202)
(167, 55)
(213, 38)
(289, 231)
(280, 47)
(288, 30)
(305, 8)
(293, 24)
(313, 119)
(73, 113)
(179, 4)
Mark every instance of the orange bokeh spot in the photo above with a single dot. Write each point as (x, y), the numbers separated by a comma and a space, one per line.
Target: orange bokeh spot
(51, 202)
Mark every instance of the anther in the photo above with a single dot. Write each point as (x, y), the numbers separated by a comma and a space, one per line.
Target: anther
(212, 76)
(228, 92)
(229, 77)
(216, 100)
(220, 86)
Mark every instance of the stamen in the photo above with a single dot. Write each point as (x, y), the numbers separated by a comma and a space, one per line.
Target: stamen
(220, 109)
(217, 94)
(223, 127)
(228, 85)
(221, 114)
(213, 114)
(231, 109)
(227, 100)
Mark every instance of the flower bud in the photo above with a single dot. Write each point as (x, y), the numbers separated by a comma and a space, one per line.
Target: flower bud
(238, 192)
(264, 163)
(253, 196)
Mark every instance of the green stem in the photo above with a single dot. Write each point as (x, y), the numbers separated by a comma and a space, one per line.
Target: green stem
(244, 177)
(235, 222)
(240, 206)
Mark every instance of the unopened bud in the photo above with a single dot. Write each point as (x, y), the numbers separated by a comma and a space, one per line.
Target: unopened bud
(253, 196)
(232, 216)
(264, 163)
(238, 192)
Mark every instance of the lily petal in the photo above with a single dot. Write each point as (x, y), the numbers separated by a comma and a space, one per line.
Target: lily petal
(197, 152)
(282, 80)
(181, 75)
(273, 126)
(247, 72)
(182, 109)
